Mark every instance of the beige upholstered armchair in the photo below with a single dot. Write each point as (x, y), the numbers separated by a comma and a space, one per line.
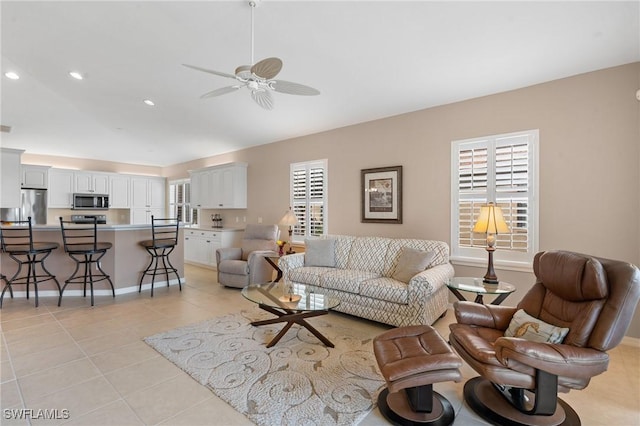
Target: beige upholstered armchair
(555, 340)
(241, 266)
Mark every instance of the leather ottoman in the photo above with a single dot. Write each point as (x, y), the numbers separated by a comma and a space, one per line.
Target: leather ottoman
(412, 359)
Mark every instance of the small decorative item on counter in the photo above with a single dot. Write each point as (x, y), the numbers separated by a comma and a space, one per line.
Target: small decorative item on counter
(217, 220)
(281, 245)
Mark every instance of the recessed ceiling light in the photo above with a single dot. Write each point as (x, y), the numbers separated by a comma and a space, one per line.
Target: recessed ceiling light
(76, 75)
(149, 102)
(12, 75)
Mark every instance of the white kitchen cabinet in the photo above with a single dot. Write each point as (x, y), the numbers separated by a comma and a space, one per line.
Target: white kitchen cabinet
(220, 187)
(147, 192)
(200, 245)
(147, 198)
(119, 191)
(10, 176)
(35, 177)
(60, 188)
(91, 183)
(201, 189)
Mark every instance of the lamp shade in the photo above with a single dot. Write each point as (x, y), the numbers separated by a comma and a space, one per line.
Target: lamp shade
(491, 221)
(289, 219)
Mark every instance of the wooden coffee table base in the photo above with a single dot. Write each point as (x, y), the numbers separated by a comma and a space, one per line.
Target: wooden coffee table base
(292, 317)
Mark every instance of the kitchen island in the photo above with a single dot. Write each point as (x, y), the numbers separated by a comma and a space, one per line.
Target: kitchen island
(124, 262)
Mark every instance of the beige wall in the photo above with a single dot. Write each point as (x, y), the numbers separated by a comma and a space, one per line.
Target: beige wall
(589, 166)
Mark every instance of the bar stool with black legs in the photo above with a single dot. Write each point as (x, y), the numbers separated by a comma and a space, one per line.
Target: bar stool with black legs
(17, 242)
(164, 238)
(81, 244)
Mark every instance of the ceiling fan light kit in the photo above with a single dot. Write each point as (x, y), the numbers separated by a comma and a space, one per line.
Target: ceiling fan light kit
(258, 78)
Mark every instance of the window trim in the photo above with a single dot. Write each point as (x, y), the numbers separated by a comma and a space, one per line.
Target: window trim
(324, 163)
(505, 259)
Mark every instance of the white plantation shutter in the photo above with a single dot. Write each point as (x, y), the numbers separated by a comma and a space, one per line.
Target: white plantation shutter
(501, 169)
(309, 198)
(472, 170)
(179, 193)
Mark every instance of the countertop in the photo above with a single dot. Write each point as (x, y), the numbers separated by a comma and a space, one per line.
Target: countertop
(107, 227)
(129, 227)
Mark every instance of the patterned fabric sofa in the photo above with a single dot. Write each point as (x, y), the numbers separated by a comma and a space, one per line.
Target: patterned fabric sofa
(362, 279)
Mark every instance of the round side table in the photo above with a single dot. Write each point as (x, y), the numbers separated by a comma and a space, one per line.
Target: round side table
(480, 288)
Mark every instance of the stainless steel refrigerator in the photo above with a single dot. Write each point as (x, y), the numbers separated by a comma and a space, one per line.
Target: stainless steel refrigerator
(33, 203)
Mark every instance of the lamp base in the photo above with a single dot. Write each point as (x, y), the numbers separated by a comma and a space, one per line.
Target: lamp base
(490, 277)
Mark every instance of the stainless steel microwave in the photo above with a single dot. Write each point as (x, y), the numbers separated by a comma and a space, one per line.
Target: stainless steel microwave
(90, 201)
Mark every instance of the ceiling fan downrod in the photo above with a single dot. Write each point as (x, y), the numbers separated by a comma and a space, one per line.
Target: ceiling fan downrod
(253, 4)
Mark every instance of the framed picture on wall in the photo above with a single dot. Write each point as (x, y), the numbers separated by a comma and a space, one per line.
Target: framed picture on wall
(382, 195)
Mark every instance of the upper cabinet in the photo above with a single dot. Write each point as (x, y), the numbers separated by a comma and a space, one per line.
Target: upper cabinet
(200, 188)
(35, 177)
(147, 192)
(125, 191)
(220, 187)
(10, 177)
(147, 199)
(119, 191)
(60, 191)
(91, 183)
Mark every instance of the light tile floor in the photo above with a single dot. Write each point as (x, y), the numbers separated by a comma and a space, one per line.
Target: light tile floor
(92, 362)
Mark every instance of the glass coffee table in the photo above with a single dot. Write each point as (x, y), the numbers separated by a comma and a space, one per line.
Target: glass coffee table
(291, 303)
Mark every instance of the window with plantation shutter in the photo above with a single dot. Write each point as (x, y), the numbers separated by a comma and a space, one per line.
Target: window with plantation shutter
(179, 193)
(500, 169)
(309, 198)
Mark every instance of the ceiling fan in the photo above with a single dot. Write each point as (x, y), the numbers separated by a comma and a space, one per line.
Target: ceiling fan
(258, 78)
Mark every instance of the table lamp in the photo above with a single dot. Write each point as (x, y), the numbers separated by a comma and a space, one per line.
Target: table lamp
(289, 219)
(491, 222)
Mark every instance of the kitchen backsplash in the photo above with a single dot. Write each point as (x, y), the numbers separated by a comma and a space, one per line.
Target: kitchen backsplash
(114, 216)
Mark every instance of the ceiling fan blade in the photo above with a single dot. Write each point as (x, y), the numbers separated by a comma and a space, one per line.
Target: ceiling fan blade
(267, 68)
(220, 91)
(221, 74)
(262, 98)
(243, 72)
(293, 88)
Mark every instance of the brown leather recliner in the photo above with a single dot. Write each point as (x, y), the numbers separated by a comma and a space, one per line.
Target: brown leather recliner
(520, 379)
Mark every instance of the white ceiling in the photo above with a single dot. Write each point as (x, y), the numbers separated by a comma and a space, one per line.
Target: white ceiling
(369, 59)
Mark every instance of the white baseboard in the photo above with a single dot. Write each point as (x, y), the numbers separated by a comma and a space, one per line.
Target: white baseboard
(96, 292)
(201, 265)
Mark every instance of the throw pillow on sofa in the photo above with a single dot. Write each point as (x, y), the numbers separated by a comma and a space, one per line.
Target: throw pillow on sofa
(411, 262)
(320, 253)
(530, 328)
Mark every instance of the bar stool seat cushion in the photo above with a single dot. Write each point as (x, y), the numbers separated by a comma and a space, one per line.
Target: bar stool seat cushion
(25, 248)
(158, 243)
(88, 248)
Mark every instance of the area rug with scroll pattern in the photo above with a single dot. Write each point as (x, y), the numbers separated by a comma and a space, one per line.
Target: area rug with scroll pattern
(298, 381)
